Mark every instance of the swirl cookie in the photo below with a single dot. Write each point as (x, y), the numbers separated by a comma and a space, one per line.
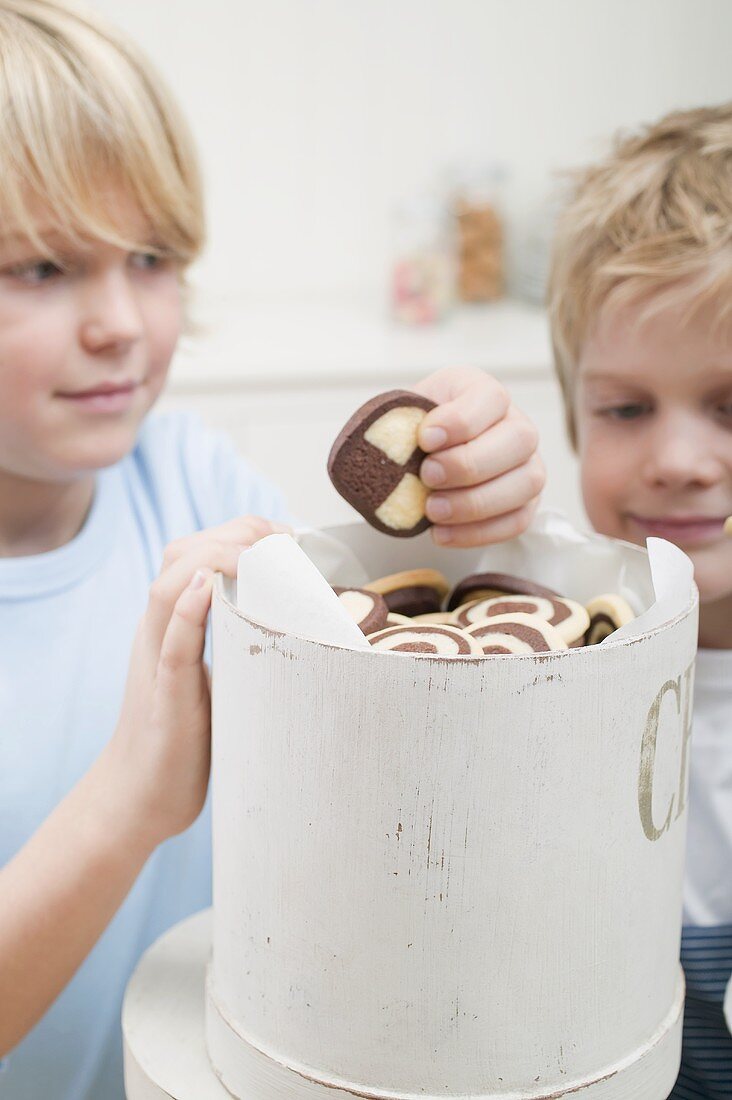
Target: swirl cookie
(395, 619)
(607, 614)
(442, 617)
(413, 591)
(516, 633)
(484, 586)
(367, 609)
(430, 639)
(374, 462)
(570, 619)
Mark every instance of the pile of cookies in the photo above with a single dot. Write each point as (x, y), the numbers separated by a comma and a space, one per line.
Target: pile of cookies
(417, 611)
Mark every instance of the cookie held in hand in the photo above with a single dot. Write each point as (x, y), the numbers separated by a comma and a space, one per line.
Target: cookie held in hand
(375, 460)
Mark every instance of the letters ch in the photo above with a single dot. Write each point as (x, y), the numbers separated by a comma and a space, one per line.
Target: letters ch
(681, 690)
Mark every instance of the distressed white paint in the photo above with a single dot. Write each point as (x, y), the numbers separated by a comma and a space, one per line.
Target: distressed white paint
(163, 1025)
(435, 878)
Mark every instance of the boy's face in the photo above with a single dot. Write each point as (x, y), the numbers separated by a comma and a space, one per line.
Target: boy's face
(108, 319)
(654, 420)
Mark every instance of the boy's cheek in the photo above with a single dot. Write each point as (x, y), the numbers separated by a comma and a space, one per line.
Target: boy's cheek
(156, 378)
(602, 482)
(163, 335)
(712, 572)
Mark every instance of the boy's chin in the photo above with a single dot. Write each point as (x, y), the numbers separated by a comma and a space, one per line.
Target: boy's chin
(100, 450)
(713, 593)
(713, 577)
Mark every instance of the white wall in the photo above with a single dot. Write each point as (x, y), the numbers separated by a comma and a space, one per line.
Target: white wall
(314, 116)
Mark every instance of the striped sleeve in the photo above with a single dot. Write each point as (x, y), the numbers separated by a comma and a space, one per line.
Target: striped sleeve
(706, 1057)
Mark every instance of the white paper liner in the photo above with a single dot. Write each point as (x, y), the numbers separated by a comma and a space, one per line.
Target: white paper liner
(672, 575)
(278, 586)
(284, 582)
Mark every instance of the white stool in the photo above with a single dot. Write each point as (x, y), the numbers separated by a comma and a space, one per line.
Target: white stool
(163, 1019)
(163, 1025)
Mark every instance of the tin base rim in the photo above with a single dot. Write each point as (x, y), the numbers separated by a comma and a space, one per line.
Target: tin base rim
(168, 1018)
(250, 1073)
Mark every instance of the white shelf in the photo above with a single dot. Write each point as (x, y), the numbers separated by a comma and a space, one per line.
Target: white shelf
(281, 379)
(254, 345)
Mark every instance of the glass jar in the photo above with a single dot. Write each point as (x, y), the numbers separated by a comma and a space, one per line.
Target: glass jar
(479, 234)
(422, 281)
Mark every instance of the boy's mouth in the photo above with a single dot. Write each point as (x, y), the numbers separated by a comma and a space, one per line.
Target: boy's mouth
(104, 398)
(689, 530)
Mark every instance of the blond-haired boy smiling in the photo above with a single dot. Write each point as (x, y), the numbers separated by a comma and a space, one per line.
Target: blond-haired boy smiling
(641, 314)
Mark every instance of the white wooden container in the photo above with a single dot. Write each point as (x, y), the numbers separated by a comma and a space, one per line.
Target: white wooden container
(448, 878)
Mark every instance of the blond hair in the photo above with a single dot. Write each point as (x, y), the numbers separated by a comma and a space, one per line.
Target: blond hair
(80, 109)
(652, 221)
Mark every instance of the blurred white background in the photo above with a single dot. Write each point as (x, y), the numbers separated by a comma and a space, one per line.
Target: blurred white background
(314, 118)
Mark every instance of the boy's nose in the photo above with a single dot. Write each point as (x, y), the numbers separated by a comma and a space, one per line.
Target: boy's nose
(111, 317)
(681, 455)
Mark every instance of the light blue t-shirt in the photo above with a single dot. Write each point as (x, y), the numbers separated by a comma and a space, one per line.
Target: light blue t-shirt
(67, 621)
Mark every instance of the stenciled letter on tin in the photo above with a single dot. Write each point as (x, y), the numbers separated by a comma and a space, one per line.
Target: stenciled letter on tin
(681, 689)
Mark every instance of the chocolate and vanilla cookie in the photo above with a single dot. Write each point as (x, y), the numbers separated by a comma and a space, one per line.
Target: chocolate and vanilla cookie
(607, 614)
(374, 462)
(441, 617)
(367, 609)
(413, 591)
(516, 633)
(569, 618)
(395, 619)
(484, 586)
(425, 638)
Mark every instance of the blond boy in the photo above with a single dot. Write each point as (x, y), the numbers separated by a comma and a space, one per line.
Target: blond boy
(111, 523)
(640, 298)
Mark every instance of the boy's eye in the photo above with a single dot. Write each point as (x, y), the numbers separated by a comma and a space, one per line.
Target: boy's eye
(36, 271)
(148, 261)
(625, 412)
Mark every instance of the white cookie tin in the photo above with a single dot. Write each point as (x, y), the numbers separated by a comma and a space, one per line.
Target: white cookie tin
(448, 877)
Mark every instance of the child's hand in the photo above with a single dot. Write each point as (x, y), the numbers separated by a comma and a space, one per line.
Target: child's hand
(483, 465)
(160, 750)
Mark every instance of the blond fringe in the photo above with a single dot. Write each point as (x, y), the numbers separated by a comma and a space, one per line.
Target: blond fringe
(83, 111)
(652, 223)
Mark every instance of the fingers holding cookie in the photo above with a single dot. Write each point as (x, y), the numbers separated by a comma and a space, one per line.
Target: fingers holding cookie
(486, 532)
(509, 444)
(489, 499)
(468, 402)
(485, 467)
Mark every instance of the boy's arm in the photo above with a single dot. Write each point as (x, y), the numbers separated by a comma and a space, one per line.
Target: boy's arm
(58, 894)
